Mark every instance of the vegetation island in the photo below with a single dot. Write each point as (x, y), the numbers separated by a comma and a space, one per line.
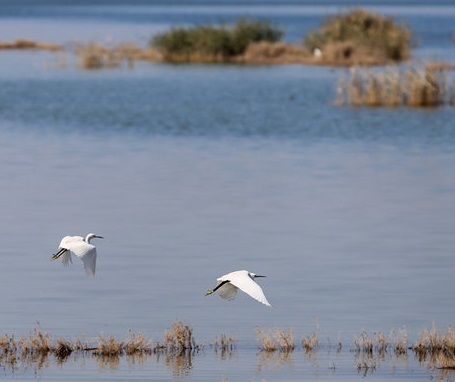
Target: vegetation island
(357, 38)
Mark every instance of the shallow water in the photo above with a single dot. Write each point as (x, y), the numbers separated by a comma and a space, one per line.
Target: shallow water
(192, 171)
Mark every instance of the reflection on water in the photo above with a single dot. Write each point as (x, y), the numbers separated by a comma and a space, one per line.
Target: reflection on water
(275, 359)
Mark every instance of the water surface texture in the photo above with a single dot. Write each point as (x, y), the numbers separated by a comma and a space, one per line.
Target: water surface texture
(193, 171)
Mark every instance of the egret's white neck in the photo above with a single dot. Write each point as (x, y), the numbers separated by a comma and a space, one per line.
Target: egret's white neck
(89, 237)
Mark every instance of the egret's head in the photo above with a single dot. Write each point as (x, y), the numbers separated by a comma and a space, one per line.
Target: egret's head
(91, 236)
(254, 275)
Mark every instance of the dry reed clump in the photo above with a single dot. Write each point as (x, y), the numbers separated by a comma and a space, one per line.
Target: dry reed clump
(96, 56)
(37, 344)
(137, 344)
(412, 87)
(436, 347)
(400, 339)
(425, 87)
(62, 349)
(8, 350)
(225, 343)
(29, 44)
(276, 339)
(378, 343)
(364, 343)
(310, 342)
(179, 338)
(108, 347)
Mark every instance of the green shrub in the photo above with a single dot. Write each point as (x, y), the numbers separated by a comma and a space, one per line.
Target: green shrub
(215, 41)
(361, 28)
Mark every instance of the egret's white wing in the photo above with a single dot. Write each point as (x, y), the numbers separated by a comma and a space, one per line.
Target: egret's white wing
(80, 248)
(66, 258)
(89, 260)
(246, 284)
(86, 252)
(228, 291)
(67, 240)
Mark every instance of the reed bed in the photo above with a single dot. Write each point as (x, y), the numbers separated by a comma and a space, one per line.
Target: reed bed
(92, 56)
(179, 338)
(380, 344)
(394, 87)
(224, 343)
(276, 339)
(434, 348)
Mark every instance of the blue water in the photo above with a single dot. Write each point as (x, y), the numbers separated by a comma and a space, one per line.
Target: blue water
(193, 171)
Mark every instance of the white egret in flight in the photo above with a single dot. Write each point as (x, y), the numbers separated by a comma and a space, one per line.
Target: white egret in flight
(81, 248)
(229, 284)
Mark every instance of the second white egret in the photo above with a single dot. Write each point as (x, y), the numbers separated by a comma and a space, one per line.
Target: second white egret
(229, 284)
(81, 248)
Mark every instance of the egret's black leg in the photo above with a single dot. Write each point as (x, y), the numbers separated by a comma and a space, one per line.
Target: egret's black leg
(217, 287)
(59, 253)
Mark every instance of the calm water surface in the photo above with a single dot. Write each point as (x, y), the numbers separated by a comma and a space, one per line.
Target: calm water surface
(190, 172)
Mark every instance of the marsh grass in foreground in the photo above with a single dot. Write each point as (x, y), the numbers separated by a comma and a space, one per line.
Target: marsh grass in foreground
(276, 339)
(393, 87)
(433, 348)
(436, 347)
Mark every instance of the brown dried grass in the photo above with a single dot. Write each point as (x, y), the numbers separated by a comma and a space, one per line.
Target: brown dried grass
(94, 56)
(137, 344)
(179, 338)
(434, 344)
(276, 339)
(392, 87)
(108, 347)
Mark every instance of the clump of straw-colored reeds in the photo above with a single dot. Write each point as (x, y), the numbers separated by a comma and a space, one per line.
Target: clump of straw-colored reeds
(276, 339)
(310, 343)
(437, 347)
(96, 56)
(179, 338)
(224, 343)
(392, 87)
(380, 344)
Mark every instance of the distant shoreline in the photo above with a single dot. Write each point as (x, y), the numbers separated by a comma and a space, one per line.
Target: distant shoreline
(262, 53)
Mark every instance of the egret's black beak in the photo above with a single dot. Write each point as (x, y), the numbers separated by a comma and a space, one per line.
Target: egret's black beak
(99, 237)
(260, 276)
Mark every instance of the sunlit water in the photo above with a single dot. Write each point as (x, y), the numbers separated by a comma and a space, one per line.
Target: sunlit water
(193, 171)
